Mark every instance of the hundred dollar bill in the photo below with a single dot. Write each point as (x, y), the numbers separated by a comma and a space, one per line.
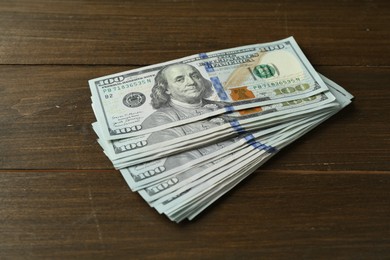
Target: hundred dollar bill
(189, 89)
(172, 140)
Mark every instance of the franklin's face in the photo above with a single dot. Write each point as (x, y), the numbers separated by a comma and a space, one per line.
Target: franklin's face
(184, 83)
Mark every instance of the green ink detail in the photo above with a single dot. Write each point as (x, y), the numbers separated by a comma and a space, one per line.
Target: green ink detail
(264, 71)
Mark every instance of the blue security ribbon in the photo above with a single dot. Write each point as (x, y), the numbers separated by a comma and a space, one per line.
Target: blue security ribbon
(250, 139)
(237, 127)
(215, 80)
(207, 65)
(261, 146)
(219, 88)
(234, 123)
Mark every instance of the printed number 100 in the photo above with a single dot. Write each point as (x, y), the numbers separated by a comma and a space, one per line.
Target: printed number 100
(290, 90)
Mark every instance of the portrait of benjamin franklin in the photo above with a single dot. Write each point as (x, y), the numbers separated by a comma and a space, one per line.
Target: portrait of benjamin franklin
(179, 92)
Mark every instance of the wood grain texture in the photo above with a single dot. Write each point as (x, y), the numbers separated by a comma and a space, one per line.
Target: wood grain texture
(272, 214)
(325, 196)
(148, 32)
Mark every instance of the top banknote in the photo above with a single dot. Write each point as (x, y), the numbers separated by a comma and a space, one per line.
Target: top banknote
(200, 86)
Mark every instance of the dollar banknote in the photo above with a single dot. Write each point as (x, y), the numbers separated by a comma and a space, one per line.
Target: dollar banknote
(196, 87)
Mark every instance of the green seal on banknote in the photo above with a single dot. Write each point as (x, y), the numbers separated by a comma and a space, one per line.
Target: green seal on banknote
(264, 71)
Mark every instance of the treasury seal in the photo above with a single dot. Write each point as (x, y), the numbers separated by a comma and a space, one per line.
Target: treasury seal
(265, 71)
(134, 99)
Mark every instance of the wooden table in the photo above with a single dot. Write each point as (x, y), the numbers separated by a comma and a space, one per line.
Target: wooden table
(325, 196)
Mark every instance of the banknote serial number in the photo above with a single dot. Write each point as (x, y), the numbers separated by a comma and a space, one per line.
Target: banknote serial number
(277, 83)
(115, 88)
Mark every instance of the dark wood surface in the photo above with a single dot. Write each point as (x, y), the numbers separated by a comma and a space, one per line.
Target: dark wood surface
(325, 196)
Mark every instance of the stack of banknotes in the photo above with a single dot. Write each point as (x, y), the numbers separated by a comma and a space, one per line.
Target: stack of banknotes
(185, 132)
